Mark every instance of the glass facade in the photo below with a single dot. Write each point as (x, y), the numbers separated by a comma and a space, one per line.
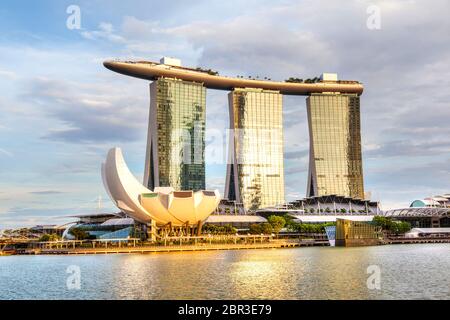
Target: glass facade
(356, 233)
(335, 145)
(255, 173)
(176, 146)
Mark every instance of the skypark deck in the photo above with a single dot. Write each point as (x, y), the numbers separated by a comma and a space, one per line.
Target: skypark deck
(151, 71)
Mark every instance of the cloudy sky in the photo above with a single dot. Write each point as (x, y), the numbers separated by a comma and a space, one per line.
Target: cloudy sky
(61, 110)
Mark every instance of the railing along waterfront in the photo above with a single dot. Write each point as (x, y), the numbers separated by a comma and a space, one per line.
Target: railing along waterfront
(173, 243)
(166, 241)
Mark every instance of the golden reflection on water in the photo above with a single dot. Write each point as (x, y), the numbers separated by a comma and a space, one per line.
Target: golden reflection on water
(305, 273)
(265, 277)
(337, 275)
(260, 276)
(408, 272)
(167, 275)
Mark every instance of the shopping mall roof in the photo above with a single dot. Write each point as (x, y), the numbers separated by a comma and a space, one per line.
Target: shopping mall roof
(331, 218)
(417, 212)
(235, 219)
(333, 199)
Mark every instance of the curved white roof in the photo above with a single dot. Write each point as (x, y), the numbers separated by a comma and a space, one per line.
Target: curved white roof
(163, 206)
(118, 222)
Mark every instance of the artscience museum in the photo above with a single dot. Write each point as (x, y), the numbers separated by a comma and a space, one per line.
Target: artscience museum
(160, 209)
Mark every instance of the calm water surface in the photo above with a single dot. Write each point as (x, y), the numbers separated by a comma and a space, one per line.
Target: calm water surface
(407, 272)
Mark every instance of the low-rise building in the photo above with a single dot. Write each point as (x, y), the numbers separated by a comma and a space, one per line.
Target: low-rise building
(431, 212)
(334, 204)
(356, 233)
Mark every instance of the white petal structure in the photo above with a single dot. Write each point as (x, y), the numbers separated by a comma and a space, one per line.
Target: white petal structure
(163, 205)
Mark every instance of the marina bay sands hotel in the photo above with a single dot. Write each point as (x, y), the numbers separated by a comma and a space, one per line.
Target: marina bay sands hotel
(255, 170)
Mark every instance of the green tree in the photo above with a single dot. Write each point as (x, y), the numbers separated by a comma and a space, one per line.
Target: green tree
(290, 223)
(277, 223)
(79, 234)
(228, 229)
(388, 224)
(383, 222)
(255, 228)
(398, 227)
(49, 237)
(266, 228)
(304, 228)
(258, 228)
(404, 227)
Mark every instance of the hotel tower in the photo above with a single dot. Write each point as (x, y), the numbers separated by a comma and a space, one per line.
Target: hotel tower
(335, 163)
(175, 154)
(176, 136)
(255, 172)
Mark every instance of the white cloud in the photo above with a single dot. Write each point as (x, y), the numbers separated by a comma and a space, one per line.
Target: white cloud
(6, 153)
(8, 74)
(105, 32)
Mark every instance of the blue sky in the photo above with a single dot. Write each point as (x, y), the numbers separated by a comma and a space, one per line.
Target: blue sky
(61, 110)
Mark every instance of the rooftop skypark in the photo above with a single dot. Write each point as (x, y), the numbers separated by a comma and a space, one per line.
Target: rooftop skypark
(211, 79)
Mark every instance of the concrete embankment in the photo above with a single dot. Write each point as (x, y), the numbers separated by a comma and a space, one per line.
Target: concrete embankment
(415, 240)
(143, 248)
(174, 248)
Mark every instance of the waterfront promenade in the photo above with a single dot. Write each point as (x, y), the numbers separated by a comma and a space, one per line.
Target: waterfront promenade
(172, 248)
(182, 244)
(169, 244)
